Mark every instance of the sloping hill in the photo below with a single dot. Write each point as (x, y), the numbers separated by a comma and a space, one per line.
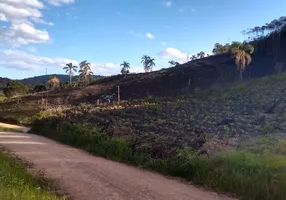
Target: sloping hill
(186, 78)
(43, 79)
(3, 82)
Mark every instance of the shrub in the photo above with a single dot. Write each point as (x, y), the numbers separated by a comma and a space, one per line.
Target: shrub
(40, 88)
(15, 88)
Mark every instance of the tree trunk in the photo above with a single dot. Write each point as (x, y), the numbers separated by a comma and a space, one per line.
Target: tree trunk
(118, 94)
(70, 76)
(241, 78)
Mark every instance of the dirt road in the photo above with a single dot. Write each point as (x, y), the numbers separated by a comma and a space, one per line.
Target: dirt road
(86, 177)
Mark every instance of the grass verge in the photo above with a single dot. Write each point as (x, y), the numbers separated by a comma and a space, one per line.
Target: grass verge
(246, 175)
(16, 183)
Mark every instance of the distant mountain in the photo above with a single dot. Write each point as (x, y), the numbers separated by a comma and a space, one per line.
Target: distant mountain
(3, 82)
(43, 79)
(39, 79)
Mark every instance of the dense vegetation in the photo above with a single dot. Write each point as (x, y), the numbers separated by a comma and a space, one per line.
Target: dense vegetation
(15, 88)
(16, 183)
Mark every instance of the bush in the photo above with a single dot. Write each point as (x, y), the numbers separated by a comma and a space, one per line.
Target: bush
(40, 88)
(15, 88)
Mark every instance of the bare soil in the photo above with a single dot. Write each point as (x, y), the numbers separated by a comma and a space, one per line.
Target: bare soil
(85, 177)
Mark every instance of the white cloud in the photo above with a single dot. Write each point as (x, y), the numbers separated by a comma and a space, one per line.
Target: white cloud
(32, 49)
(168, 3)
(23, 15)
(25, 61)
(60, 2)
(177, 55)
(28, 62)
(163, 43)
(108, 69)
(150, 36)
(173, 54)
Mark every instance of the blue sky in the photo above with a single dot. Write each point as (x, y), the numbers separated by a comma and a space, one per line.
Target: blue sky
(40, 34)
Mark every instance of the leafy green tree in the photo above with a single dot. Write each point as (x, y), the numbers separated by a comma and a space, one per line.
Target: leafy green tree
(173, 63)
(70, 69)
(220, 49)
(242, 54)
(148, 63)
(201, 54)
(54, 82)
(125, 68)
(15, 88)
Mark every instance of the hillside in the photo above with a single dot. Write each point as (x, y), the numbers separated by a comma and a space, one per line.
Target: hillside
(186, 78)
(43, 79)
(39, 79)
(3, 82)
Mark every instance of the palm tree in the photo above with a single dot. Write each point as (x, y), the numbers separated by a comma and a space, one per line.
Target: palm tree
(148, 63)
(174, 63)
(70, 68)
(125, 68)
(201, 54)
(85, 72)
(54, 82)
(241, 53)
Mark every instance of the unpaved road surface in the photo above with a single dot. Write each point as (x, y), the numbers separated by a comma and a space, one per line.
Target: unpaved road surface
(85, 177)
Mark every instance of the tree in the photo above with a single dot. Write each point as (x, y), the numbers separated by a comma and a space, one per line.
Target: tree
(125, 68)
(15, 88)
(86, 74)
(194, 57)
(70, 69)
(40, 88)
(220, 49)
(201, 54)
(54, 82)
(242, 54)
(148, 63)
(84, 64)
(174, 63)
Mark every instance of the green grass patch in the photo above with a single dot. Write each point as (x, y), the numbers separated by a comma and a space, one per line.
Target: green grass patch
(17, 184)
(247, 175)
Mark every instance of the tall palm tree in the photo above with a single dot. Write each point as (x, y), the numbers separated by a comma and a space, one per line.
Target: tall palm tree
(70, 68)
(54, 82)
(85, 72)
(84, 64)
(148, 63)
(242, 54)
(125, 68)
(201, 54)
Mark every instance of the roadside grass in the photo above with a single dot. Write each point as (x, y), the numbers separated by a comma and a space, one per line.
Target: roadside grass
(244, 174)
(17, 184)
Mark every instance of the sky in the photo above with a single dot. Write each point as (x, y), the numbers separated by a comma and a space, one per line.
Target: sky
(40, 35)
